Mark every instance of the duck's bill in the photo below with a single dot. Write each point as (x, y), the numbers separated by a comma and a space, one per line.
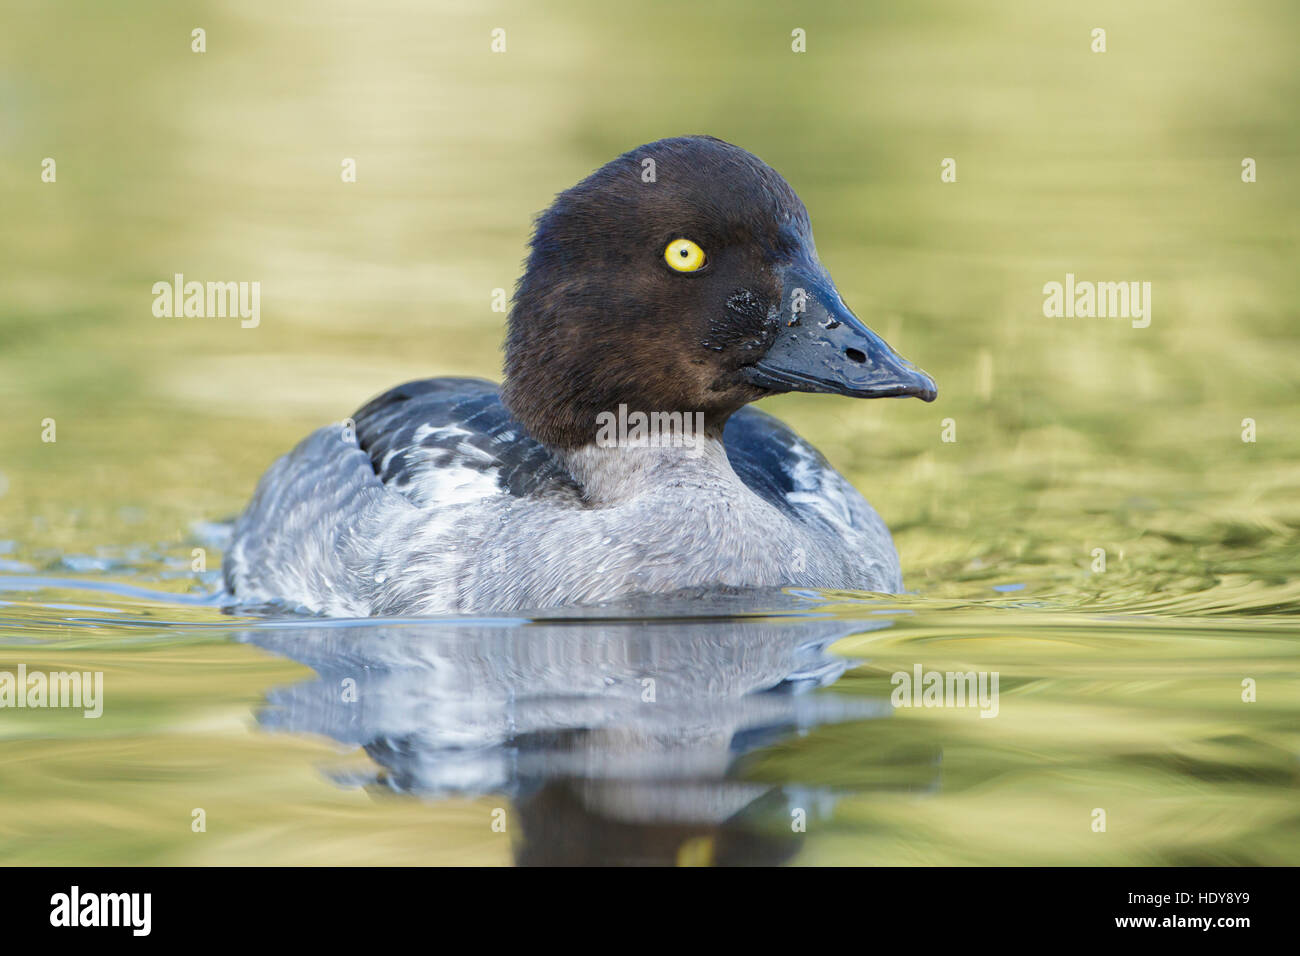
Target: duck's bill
(823, 347)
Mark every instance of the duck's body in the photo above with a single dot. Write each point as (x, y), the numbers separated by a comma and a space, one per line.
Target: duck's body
(448, 495)
(438, 501)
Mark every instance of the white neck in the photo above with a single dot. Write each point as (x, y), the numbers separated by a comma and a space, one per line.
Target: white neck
(617, 473)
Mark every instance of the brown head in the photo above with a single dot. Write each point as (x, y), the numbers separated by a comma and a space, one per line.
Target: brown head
(689, 285)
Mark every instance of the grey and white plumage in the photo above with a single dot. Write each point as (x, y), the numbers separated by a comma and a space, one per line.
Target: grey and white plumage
(437, 501)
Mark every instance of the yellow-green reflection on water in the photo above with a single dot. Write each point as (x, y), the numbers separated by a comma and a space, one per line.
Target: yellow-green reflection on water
(1120, 690)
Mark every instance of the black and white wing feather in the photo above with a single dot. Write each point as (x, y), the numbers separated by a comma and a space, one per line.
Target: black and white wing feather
(433, 438)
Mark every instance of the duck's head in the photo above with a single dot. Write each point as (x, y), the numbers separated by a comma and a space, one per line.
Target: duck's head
(682, 277)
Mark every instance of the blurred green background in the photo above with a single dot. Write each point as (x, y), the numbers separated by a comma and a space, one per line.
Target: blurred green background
(1072, 434)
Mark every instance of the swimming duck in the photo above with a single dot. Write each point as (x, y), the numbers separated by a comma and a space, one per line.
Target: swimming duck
(677, 293)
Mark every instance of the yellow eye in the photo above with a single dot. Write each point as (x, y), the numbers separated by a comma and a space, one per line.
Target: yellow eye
(684, 255)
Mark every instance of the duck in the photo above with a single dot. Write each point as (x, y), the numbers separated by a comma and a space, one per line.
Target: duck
(675, 292)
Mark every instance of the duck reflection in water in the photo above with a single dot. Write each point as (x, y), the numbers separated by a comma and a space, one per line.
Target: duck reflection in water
(616, 738)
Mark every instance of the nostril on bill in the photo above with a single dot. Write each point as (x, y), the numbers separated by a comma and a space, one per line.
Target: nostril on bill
(855, 356)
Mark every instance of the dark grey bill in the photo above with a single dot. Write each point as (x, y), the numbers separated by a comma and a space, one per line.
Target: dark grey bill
(825, 348)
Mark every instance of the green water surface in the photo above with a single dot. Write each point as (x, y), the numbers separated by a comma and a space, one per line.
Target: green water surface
(1099, 532)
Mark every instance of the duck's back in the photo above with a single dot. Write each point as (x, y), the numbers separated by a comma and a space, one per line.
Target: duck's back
(425, 439)
(417, 471)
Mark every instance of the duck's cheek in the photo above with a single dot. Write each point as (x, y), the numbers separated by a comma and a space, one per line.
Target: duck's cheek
(743, 326)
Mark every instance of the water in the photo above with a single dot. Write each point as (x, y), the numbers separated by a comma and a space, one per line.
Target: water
(711, 733)
(1099, 534)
